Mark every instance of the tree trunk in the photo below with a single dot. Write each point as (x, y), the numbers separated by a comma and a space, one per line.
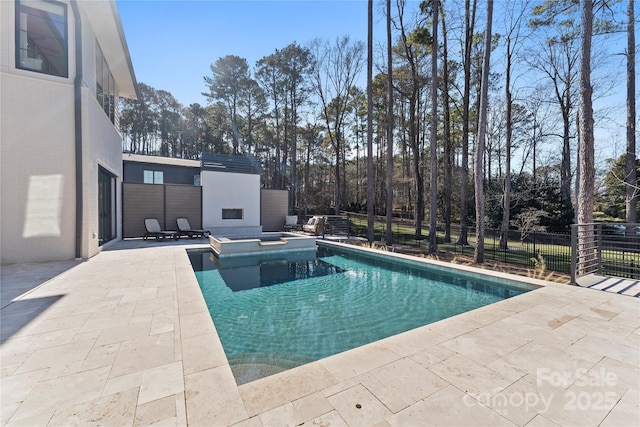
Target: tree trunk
(464, 169)
(370, 224)
(631, 179)
(586, 139)
(448, 155)
(433, 206)
(478, 255)
(389, 235)
(506, 207)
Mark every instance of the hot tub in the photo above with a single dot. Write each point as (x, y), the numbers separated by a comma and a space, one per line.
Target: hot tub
(265, 242)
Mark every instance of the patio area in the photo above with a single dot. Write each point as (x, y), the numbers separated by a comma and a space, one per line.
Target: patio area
(125, 339)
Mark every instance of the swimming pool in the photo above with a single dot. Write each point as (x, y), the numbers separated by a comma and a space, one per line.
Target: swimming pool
(274, 312)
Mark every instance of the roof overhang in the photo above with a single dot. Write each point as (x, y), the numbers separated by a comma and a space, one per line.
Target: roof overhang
(105, 20)
(140, 158)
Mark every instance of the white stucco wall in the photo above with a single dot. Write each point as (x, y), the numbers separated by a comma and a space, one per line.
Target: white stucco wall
(37, 154)
(224, 190)
(37, 166)
(37, 182)
(102, 146)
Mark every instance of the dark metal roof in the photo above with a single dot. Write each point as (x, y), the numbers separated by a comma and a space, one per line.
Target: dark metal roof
(227, 163)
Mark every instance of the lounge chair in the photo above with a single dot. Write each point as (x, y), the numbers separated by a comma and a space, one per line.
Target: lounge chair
(153, 230)
(185, 229)
(291, 223)
(315, 226)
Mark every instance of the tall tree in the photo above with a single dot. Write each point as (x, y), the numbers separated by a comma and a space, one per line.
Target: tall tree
(630, 176)
(230, 78)
(253, 105)
(446, 137)
(169, 125)
(478, 254)
(138, 120)
(585, 133)
(433, 144)
(370, 224)
(270, 75)
(389, 215)
(296, 62)
(512, 40)
(558, 58)
(336, 68)
(469, 28)
(412, 56)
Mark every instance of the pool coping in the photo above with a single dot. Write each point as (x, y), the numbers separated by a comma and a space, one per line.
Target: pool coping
(204, 391)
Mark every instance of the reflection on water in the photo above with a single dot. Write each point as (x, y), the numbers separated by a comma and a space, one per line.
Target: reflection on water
(248, 272)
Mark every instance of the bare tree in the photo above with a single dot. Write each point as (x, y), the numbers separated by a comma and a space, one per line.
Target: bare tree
(558, 58)
(389, 235)
(336, 68)
(446, 140)
(513, 37)
(412, 56)
(469, 28)
(478, 254)
(433, 209)
(370, 224)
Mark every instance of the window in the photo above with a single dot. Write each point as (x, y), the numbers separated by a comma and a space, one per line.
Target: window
(232, 213)
(196, 179)
(153, 177)
(105, 87)
(41, 37)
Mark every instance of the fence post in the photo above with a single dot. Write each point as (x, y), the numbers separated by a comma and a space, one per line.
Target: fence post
(599, 250)
(574, 253)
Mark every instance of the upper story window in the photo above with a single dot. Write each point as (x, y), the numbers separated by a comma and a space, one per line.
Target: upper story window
(105, 87)
(41, 37)
(153, 177)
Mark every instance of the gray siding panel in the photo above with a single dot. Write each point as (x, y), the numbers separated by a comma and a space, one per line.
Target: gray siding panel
(273, 209)
(183, 201)
(140, 201)
(163, 202)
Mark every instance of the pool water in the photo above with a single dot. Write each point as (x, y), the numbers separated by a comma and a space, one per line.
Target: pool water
(274, 313)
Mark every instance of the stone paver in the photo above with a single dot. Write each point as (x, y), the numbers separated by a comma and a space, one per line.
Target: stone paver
(125, 339)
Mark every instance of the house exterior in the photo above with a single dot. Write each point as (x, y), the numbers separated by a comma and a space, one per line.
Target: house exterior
(220, 193)
(63, 66)
(230, 194)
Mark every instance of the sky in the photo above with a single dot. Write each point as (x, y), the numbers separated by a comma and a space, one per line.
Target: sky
(173, 43)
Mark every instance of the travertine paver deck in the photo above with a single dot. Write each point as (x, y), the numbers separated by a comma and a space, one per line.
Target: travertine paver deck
(125, 339)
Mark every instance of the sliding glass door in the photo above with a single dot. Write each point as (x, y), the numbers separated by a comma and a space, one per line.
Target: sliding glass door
(106, 206)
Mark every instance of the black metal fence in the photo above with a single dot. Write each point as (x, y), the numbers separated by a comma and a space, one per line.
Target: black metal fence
(550, 251)
(606, 249)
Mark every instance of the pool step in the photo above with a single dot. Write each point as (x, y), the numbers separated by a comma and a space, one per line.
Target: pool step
(273, 243)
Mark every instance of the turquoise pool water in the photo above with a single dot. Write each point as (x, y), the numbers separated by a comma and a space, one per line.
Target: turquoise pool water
(277, 312)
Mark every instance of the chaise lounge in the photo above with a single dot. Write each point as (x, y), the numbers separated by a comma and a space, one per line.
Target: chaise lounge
(154, 230)
(185, 229)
